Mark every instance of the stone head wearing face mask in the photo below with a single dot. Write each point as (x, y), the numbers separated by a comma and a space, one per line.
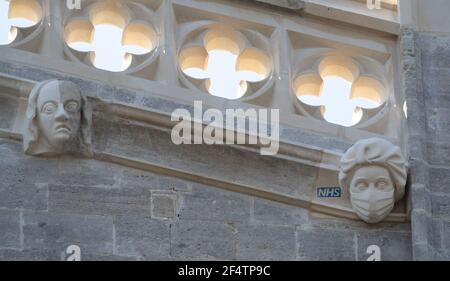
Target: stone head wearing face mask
(374, 173)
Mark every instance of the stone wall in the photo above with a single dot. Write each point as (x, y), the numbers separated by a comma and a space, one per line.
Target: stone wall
(427, 59)
(116, 213)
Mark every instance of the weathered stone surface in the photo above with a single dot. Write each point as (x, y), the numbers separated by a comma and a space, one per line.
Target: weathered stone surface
(394, 246)
(446, 238)
(435, 79)
(263, 242)
(325, 244)
(143, 238)
(435, 50)
(420, 199)
(316, 140)
(173, 184)
(439, 124)
(48, 231)
(439, 152)
(155, 146)
(125, 96)
(107, 258)
(441, 205)
(10, 229)
(203, 240)
(8, 108)
(288, 4)
(132, 178)
(164, 205)
(208, 203)
(84, 172)
(99, 200)
(440, 179)
(218, 225)
(268, 212)
(20, 185)
(30, 255)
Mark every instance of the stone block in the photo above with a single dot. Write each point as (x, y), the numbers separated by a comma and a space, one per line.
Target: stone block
(445, 234)
(420, 198)
(439, 152)
(273, 213)
(269, 174)
(421, 227)
(10, 229)
(440, 205)
(8, 108)
(124, 96)
(439, 123)
(394, 246)
(99, 200)
(133, 178)
(209, 203)
(435, 50)
(316, 140)
(164, 206)
(436, 79)
(288, 4)
(143, 238)
(203, 240)
(436, 237)
(47, 231)
(325, 244)
(30, 255)
(20, 185)
(440, 179)
(174, 184)
(108, 258)
(86, 172)
(263, 242)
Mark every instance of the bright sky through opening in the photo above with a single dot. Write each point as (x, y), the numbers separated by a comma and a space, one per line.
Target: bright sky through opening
(8, 32)
(335, 97)
(225, 80)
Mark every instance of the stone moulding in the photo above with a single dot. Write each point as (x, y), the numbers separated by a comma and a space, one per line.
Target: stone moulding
(312, 205)
(324, 160)
(292, 119)
(339, 10)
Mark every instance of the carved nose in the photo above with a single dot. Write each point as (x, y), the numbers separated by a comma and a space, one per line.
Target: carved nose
(61, 114)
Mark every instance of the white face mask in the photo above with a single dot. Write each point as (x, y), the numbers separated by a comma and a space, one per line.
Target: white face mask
(372, 205)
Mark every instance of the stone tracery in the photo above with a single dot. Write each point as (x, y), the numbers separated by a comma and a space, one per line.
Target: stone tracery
(111, 34)
(225, 52)
(16, 15)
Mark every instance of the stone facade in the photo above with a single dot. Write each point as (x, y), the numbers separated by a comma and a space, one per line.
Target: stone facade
(141, 197)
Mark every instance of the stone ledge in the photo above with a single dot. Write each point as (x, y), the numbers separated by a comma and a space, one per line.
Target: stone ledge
(286, 4)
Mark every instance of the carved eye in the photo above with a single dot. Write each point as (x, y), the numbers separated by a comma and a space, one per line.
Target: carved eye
(361, 186)
(382, 184)
(72, 107)
(49, 108)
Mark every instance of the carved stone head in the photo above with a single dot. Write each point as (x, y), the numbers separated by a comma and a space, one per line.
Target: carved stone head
(58, 120)
(374, 172)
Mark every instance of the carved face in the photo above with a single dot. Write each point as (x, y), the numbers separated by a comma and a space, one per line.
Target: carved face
(59, 112)
(372, 193)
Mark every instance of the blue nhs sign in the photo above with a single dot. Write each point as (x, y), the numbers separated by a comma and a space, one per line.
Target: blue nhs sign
(329, 192)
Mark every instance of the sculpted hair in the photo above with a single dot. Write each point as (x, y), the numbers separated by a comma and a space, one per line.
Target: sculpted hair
(378, 152)
(32, 136)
